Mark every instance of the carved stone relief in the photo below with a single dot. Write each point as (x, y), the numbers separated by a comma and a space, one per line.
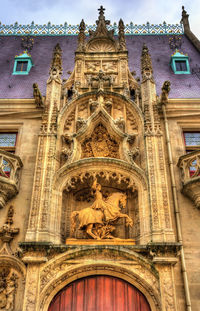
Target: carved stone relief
(131, 121)
(100, 144)
(109, 66)
(101, 46)
(31, 288)
(168, 288)
(8, 286)
(92, 66)
(69, 122)
(98, 220)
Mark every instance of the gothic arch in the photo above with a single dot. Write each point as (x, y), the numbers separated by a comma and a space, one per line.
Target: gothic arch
(131, 177)
(12, 262)
(62, 273)
(92, 95)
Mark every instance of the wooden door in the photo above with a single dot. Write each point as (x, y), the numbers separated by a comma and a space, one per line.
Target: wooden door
(99, 293)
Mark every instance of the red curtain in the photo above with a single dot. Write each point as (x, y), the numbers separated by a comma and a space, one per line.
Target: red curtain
(99, 293)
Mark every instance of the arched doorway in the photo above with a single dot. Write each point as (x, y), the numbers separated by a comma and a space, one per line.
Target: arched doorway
(99, 293)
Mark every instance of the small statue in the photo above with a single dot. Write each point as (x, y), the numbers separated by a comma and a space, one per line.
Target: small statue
(165, 92)
(93, 105)
(120, 123)
(80, 123)
(37, 95)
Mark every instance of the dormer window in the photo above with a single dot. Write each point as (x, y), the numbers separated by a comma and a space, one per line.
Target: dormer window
(23, 64)
(180, 63)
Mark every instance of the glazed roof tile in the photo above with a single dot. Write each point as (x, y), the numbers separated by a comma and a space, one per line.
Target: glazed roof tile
(20, 86)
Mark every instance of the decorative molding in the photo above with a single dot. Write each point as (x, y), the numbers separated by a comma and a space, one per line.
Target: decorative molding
(69, 30)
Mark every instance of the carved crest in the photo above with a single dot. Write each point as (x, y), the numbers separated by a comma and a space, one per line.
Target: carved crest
(100, 144)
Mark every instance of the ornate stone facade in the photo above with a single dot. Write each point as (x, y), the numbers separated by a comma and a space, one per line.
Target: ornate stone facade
(99, 192)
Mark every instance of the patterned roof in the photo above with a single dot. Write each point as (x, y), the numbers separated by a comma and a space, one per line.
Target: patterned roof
(20, 86)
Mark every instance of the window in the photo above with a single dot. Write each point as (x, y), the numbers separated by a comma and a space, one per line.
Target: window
(180, 63)
(8, 141)
(23, 64)
(192, 143)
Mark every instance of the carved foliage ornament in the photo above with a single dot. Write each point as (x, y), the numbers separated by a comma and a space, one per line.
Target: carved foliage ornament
(100, 144)
(72, 181)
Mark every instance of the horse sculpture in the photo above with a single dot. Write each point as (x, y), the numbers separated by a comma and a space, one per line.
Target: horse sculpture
(98, 220)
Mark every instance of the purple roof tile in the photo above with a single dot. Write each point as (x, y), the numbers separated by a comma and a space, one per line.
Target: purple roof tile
(14, 86)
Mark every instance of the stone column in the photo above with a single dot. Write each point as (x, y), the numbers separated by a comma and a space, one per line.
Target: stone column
(156, 166)
(39, 228)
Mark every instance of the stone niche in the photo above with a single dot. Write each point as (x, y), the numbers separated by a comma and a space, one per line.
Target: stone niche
(81, 196)
(11, 286)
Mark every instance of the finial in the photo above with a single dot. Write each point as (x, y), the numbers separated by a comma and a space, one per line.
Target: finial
(101, 11)
(56, 65)
(122, 42)
(146, 64)
(185, 19)
(81, 36)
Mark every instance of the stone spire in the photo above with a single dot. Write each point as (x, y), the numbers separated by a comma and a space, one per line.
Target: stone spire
(101, 30)
(56, 65)
(122, 42)
(146, 64)
(81, 36)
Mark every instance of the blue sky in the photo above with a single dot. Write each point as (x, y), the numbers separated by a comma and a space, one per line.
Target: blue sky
(72, 11)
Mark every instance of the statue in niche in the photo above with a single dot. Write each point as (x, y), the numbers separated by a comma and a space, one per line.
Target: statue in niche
(100, 144)
(99, 220)
(8, 285)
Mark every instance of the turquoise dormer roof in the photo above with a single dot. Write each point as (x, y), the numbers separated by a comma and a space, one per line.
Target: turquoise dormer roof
(180, 63)
(23, 64)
